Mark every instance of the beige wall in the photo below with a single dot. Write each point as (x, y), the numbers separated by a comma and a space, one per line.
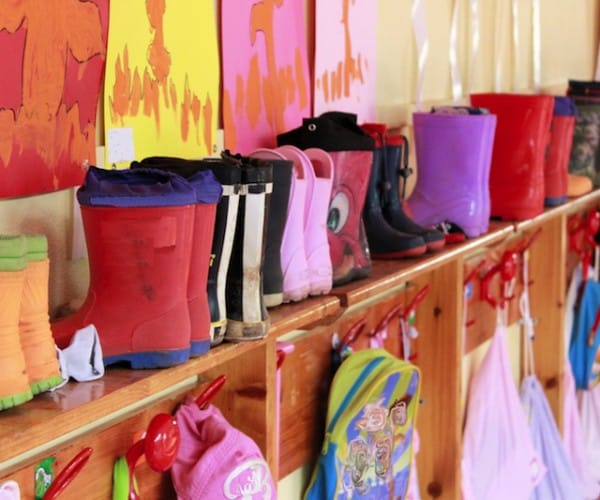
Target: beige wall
(568, 49)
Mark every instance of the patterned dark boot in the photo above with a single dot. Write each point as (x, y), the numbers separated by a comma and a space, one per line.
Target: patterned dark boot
(247, 317)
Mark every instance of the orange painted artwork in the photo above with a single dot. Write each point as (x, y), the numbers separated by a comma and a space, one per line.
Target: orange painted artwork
(162, 80)
(266, 83)
(345, 52)
(52, 56)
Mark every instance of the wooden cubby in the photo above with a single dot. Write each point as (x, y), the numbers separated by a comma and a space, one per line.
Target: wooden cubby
(108, 414)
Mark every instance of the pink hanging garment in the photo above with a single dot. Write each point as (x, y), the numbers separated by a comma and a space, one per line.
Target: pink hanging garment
(499, 460)
(216, 460)
(573, 434)
(589, 411)
(560, 481)
(573, 440)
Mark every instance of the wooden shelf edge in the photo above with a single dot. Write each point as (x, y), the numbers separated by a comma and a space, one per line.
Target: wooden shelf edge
(56, 417)
(569, 207)
(392, 273)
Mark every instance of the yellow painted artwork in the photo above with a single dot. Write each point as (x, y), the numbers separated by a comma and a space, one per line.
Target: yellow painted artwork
(161, 95)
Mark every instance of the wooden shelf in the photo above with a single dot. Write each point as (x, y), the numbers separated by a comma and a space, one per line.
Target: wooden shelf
(62, 420)
(53, 419)
(388, 274)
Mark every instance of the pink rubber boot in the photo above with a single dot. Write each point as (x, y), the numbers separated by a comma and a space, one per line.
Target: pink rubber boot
(316, 245)
(296, 283)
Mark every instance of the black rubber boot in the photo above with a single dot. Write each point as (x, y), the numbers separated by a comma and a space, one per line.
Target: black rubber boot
(391, 154)
(278, 204)
(385, 241)
(247, 317)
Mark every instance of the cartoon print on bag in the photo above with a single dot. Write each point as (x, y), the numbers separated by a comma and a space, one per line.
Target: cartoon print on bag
(374, 418)
(249, 481)
(398, 412)
(355, 470)
(375, 461)
(383, 454)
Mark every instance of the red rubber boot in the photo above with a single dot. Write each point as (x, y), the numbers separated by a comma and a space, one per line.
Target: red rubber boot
(138, 226)
(522, 135)
(139, 260)
(556, 171)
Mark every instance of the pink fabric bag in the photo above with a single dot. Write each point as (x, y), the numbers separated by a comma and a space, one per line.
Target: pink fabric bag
(589, 411)
(216, 460)
(574, 438)
(499, 460)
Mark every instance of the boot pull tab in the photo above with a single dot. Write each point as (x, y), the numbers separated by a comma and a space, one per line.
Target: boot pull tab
(404, 171)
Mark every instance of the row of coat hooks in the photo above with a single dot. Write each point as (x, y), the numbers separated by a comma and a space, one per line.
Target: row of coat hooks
(582, 231)
(159, 445)
(399, 312)
(506, 269)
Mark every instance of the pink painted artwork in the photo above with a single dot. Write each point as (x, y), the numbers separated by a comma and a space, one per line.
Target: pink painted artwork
(345, 52)
(52, 57)
(266, 83)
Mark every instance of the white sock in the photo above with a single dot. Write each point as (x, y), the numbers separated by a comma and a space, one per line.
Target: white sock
(82, 359)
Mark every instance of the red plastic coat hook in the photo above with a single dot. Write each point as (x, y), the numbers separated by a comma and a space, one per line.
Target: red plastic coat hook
(525, 244)
(352, 334)
(474, 272)
(69, 473)
(394, 312)
(211, 390)
(399, 311)
(591, 226)
(414, 303)
(283, 349)
(507, 269)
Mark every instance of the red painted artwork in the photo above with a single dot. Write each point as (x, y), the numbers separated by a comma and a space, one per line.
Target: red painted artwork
(52, 58)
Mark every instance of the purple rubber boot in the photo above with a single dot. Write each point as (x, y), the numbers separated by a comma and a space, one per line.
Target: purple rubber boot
(454, 154)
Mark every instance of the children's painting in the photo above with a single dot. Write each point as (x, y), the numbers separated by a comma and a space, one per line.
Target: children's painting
(266, 83)
(52, 57)
(345, 52)
(161, 94)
